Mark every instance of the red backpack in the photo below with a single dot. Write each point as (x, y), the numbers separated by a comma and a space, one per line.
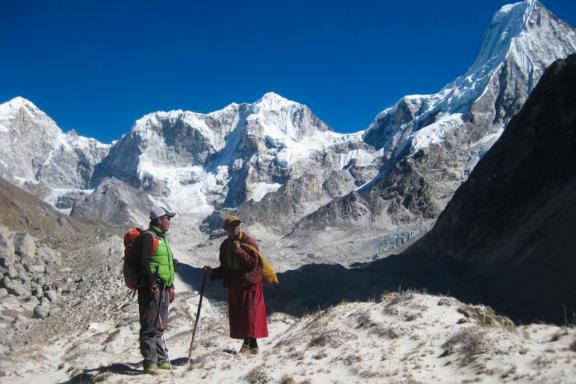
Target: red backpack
(131, 253)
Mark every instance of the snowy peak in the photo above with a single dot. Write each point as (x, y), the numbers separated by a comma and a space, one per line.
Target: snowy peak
(16, 104)
(506, 24)
(36, 149)
(525, 26)
(21, 112)
(273, 101)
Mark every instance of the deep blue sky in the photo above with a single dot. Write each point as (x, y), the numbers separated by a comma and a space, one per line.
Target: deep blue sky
(96, 66)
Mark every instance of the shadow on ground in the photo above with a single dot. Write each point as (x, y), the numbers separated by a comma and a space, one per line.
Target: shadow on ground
(89, 375)
(318, 286)
(92, 375)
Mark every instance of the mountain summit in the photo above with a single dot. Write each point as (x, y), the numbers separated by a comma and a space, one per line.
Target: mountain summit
(37, 154)
(284, 170)
(430, 143)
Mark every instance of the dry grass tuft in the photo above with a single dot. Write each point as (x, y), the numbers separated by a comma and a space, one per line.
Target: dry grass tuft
(287, 379)
(330, 337)
(258, 376)
(387, 332)
(486, 316)
(364, 321)
(558, 334)
(469, 342)
(412, 316)
(394, 298)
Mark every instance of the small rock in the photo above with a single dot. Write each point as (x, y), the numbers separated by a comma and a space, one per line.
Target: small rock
(10, 301)
(24, 276)
(21, 318)
(51, 295)
(11, 271)
(41, 311)
(37, 269)
(49, 268)
(4, 349)
(3, 292)
(19, 290)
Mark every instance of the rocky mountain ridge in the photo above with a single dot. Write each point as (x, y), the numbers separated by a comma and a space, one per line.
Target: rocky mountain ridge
(510, 224)
(290, 177)
(430, 143)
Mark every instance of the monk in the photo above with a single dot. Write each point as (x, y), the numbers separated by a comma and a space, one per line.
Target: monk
(241, 271)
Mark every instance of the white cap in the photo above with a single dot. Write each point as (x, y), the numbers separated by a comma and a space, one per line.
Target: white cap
(157, 212)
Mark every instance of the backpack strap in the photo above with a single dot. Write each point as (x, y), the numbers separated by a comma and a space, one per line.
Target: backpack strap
(154, 239)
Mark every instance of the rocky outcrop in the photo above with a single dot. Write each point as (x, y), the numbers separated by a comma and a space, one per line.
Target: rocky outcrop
(115, 202)
(27, 266)
(511, 223)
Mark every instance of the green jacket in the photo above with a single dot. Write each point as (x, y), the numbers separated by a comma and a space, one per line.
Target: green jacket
(162, 261)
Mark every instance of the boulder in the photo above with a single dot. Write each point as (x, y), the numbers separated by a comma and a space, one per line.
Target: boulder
(18, 289)
(6, 248)
(24, 244)
(41, 311)
(48, 254)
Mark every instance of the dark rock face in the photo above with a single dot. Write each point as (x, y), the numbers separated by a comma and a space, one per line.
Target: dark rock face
(511, 224)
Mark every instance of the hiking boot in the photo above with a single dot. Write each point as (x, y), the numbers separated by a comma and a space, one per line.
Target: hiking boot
(151, 368)
(254, 351)
(163, 365)
(244, 350)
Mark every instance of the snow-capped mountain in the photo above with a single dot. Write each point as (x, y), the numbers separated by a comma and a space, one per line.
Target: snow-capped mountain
(35, 153)
(283, 169)
(430, 143)
(225, 158)
(511, 223)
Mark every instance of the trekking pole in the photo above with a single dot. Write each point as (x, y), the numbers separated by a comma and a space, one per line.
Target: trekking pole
(204, 274)
(162, 328)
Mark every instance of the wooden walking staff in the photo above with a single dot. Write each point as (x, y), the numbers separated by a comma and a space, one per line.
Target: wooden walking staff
(204, 274)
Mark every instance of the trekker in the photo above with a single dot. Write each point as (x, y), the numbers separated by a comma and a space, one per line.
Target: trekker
(156, 274)
(241, 271)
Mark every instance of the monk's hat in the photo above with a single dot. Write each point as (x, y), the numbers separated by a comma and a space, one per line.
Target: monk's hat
(231, 220)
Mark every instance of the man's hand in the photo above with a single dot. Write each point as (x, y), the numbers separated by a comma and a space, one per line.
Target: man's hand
(171, 294)
(155, 290)
(207, 270)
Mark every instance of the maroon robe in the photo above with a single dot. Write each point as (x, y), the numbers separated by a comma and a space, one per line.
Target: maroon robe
(241, 271)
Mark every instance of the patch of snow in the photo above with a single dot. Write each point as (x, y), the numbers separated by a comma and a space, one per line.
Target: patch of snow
(258, 190)
(436, 132)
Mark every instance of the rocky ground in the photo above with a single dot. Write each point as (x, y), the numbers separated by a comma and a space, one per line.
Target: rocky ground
(402, 337)
(32, 280)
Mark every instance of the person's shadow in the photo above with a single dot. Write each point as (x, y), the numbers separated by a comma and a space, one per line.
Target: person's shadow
(88, 375)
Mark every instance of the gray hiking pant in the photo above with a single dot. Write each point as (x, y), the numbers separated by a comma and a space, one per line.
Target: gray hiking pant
(151, 345)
